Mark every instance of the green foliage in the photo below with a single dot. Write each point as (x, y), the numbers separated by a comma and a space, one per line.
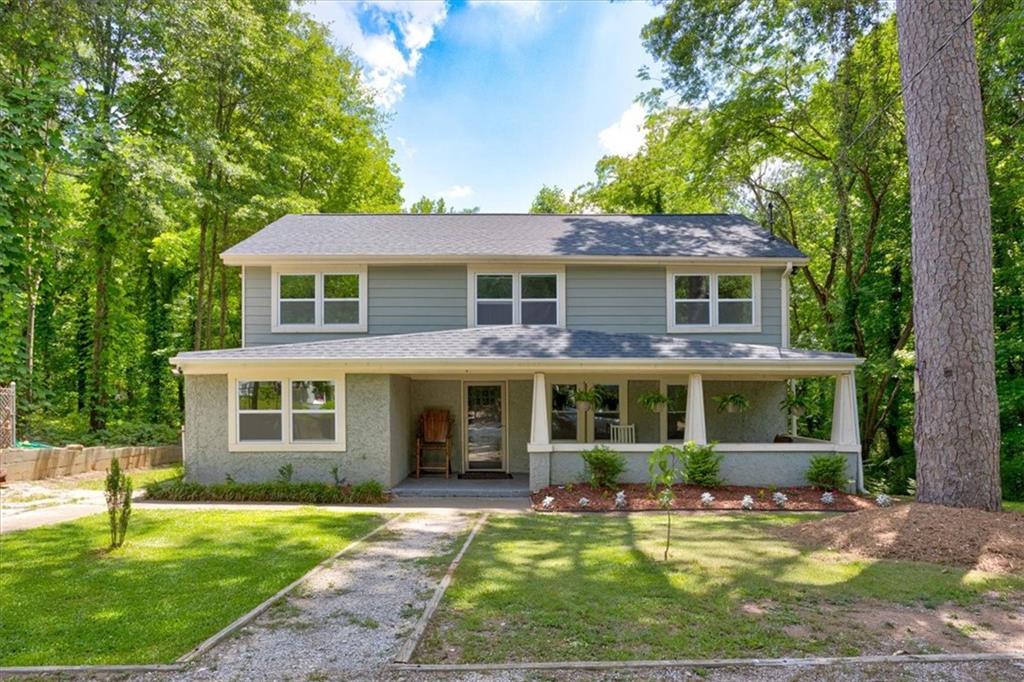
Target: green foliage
(667, 466)
(1012, 473)
(702, 464)
(827, 472)
(552, 199)
(285, 473)
(118, 493)
(652, 400)
(369, 492)
(732, 402)
(603, 466)
(593, 395)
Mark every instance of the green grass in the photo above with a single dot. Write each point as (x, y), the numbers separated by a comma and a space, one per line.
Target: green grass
(140, 479)
(180, 577)
(1009, 505)
(551, 587)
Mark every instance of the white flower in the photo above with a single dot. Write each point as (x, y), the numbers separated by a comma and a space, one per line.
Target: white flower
(780, 499)
(620, 499)
(883, 500)
(584, 502)
(747, 502)
(706, 499)
(828, 499)
(548, 502)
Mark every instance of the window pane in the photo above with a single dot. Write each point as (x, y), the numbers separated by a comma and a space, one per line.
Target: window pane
(298, 286)
(341, 312)
(694, 312)
(313, 426)
(563, 412)
(259, 395)
(731, 312)
(494, 286)
(494, 313)
(312, 395)
(257, 426)
(609, 413)
(735, 286)
(540, 286)
(692, 286)
(676, 411)
(341, 286)
(298, 312)
(540, 312)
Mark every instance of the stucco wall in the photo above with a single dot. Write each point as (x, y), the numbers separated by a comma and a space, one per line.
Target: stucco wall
(520, 402)
(648, 424)
(443, 394)
(765, 469)
(403, 429)
(367, 454)
(760, 424)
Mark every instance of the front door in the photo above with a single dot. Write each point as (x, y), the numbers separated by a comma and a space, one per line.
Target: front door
(485, 428)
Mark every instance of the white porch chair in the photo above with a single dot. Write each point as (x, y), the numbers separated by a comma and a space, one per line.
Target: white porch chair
(623, 434)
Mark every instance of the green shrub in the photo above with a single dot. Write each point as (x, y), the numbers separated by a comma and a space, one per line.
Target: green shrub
(827, 472)
(702, 464)
(1012, 473)
(603, 466)
(370, 492)
(75, 429)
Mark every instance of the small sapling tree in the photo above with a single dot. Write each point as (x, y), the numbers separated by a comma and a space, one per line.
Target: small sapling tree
(119, 503)
(666, 465)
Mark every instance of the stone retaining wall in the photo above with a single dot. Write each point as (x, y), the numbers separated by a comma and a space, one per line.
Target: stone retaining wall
(31, 465)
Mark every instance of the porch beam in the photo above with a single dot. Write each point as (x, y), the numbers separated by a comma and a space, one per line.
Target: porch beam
(845, 427)
(540, 428)
(696, 426)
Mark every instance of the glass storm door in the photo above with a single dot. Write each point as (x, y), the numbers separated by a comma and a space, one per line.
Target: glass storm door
(485, 432)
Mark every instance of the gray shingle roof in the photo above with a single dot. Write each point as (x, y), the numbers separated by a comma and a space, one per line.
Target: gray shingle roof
(514, 236)
(515, 343)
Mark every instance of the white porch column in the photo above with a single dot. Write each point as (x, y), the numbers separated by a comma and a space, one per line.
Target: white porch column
(540, 429)
(696, 427)
(845, 427)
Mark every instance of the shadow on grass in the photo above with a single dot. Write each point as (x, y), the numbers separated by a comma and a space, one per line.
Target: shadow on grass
(180, 578)
(539, 587)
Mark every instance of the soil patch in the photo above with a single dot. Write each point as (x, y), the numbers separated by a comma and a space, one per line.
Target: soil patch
(987, 541)
(639, 497)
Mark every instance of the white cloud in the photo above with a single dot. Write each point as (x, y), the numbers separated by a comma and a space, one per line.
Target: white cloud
(522, 9)
(625, 136)
(388, 37)
(455, 192)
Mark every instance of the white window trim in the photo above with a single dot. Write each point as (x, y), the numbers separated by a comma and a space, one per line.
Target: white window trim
(318, 271)
(516, 271)
(585, 427)
(286, 444)
(713, 326)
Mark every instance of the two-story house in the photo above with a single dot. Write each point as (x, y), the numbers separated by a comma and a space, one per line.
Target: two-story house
(354, 325)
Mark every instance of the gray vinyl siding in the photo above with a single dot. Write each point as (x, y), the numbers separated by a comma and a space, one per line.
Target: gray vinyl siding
(609, 298)
(420, 298)
(402, 299)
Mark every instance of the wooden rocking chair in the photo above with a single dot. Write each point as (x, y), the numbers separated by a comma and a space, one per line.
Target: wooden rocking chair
(435, 432)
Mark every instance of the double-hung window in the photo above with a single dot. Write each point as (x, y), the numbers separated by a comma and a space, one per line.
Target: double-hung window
(287, 413)
(513, 297)
(319, 299)
(713, 301)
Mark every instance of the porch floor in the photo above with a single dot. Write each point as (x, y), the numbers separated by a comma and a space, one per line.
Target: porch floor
(439, 486)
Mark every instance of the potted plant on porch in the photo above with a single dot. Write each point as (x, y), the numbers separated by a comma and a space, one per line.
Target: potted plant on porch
(732, 403)
(654, 401)
(586, 398)
(796, 405)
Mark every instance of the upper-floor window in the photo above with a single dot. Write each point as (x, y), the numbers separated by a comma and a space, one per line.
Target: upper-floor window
(314, 299)
(713, 301)
(516, 297)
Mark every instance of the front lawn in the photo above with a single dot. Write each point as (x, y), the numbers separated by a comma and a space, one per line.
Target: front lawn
(545, 587)
(180, 577)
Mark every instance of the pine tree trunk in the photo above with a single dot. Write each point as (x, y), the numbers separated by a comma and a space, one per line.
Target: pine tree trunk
(956, 426)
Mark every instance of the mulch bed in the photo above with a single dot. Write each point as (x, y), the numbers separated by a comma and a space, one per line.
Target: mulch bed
(987, 541)
(640, 498)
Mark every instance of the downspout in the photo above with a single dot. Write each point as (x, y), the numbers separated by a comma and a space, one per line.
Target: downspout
(786, 274)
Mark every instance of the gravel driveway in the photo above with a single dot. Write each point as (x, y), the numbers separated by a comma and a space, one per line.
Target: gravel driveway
(348, 621)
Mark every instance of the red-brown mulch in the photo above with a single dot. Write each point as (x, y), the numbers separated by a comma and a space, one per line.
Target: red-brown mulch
(988, 541)
(640, 498)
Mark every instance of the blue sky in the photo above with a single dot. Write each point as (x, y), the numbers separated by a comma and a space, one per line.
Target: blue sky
(491, 100)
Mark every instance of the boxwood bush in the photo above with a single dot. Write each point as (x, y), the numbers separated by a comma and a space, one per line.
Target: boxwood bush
(827, 472)
(702, 464)
(370, 492)
(603, 466)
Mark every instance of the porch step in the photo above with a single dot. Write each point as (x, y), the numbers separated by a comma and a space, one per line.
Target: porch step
(518, 486)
